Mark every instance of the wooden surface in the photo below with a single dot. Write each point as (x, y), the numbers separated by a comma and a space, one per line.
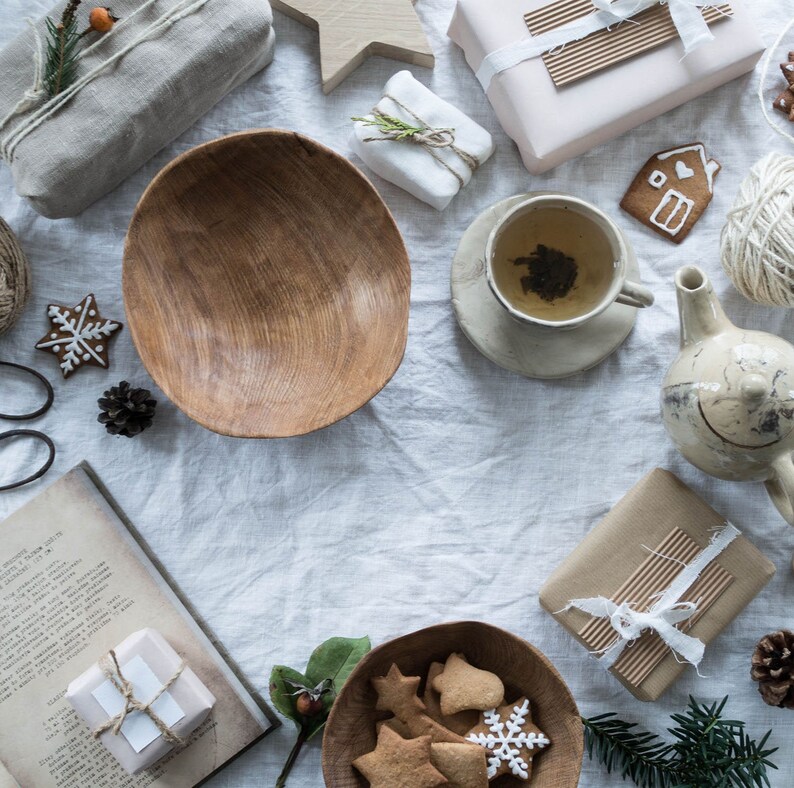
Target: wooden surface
(352, 30)
(350, 731)
(266, 285)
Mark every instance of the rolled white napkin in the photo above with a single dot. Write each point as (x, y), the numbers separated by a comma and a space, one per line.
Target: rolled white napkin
(433, 172)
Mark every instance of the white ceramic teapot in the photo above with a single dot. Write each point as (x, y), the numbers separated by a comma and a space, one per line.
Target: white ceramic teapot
(728, 399)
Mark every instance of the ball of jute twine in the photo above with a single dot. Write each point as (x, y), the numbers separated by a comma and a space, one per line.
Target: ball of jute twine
(14, 278)
(757, 242)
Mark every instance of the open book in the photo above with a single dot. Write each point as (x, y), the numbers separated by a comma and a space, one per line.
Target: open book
(75, 580)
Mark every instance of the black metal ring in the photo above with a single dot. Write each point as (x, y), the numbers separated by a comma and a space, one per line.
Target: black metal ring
(44, 408)
(44, 468)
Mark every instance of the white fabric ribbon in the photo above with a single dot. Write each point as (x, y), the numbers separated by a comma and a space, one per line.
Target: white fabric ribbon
(686, 14)
(664, 614)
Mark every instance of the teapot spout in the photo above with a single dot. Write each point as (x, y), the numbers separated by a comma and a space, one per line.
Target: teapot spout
(699, 310)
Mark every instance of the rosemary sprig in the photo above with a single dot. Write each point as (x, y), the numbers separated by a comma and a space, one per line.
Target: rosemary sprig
(60, 67)
(706, 750)
(394, 127)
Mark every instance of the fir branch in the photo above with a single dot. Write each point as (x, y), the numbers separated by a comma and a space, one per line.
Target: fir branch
(707, 750)
(60, 68)
(393, 127)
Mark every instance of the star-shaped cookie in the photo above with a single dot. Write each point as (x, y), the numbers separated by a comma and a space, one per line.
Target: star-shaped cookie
(352, 30)
(78, 335)
(399, 763)
(510, 738)
(397, 694)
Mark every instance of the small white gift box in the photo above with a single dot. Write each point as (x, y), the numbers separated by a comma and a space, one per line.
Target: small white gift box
(140, 700)
(433, 165)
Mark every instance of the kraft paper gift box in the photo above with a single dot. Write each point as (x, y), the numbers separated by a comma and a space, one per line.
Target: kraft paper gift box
(149, 663)
(638, 552)
(66, 152)
(551, 123)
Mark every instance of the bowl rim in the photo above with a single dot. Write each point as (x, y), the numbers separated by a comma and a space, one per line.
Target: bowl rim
(373, 654)
(304, 140)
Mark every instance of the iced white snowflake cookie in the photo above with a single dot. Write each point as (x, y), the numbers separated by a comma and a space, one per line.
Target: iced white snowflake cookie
(78, 335)
(510, 738)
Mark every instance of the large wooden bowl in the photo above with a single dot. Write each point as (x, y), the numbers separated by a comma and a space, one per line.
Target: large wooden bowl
(266, 285)
(350, 730)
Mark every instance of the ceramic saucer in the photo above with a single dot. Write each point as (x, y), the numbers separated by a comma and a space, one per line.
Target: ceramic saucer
(530, 351)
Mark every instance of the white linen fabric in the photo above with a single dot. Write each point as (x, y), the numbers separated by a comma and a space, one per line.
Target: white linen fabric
(460, 487)
(436, 177)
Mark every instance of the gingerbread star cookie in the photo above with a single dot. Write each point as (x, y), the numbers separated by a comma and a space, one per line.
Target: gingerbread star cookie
(672, 190)
(510, 738)
(400, 763)
(398, 694)
(78, 335)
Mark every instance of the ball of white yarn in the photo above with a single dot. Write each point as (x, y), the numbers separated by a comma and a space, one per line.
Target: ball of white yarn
(757, 243)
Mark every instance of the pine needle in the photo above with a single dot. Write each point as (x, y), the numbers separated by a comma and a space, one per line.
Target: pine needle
(60, 68)
(706, 750)
(393, 127)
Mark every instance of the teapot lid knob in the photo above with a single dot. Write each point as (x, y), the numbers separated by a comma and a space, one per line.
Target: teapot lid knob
(754, 388)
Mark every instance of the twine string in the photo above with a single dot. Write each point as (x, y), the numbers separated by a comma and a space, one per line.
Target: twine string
(179, 11)
(430, 138)
(112, 671)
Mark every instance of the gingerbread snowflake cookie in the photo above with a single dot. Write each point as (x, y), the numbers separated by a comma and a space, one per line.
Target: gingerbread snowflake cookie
(672, 191)
(510, 739)
(785, 101)
(78, 335)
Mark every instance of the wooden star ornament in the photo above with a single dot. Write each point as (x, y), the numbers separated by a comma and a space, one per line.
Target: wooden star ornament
(352, 30)
(78, 335)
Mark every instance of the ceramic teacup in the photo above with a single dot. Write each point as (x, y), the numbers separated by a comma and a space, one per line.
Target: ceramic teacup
(582, 233)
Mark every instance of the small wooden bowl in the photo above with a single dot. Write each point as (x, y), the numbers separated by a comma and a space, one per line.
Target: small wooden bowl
(350, 730)
(266, 285)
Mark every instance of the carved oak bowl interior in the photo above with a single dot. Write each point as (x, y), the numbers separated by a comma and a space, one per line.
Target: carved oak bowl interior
(350, 730)
(266, 285)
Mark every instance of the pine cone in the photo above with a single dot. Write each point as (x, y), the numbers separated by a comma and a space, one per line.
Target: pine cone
(125, 410)
(773, 668)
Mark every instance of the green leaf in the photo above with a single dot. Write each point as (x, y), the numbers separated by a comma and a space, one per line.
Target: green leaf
(335, 660)
(281, 692)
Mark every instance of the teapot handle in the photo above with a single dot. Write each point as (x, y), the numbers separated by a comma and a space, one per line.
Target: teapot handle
(781, 486)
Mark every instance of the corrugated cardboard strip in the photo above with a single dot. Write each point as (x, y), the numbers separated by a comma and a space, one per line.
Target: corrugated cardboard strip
(603, 49)
(655, 576)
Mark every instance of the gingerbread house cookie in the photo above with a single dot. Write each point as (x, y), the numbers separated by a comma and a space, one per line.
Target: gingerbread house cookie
(672, 191)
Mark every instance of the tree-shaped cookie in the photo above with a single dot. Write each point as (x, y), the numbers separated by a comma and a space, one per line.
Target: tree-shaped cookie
(462, 686)
(400, 763)
(398, 694)
(510, 738)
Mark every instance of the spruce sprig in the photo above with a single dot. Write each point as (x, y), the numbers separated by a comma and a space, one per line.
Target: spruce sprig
(395, 128)
(63, 38)
(706, 750)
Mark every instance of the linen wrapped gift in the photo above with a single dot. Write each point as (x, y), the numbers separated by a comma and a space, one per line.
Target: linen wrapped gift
(627, 66)
(433, 164)
(160, 68)
(654, 582)
(141, 700)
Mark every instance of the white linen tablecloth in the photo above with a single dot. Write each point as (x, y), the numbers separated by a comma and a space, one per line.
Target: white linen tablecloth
(459, 488)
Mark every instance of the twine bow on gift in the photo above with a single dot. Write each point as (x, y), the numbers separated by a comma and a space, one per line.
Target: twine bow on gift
(629, 622)
(687, 17)
(426, 136)
(110, 667)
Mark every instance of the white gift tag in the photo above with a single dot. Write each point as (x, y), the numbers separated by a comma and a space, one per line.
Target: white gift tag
(138, 728)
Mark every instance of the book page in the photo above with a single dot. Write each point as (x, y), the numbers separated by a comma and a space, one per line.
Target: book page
(73, 584)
